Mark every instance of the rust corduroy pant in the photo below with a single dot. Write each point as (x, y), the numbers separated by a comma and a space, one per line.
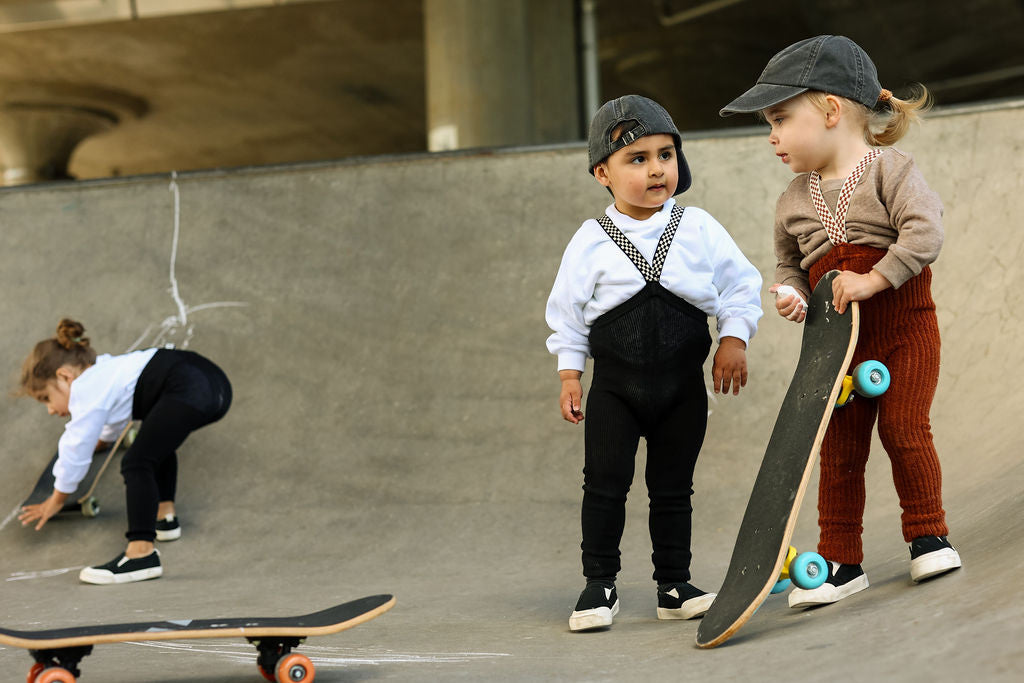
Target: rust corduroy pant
(899, 328)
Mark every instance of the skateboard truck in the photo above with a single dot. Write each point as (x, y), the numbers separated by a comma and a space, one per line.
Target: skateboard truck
(869, 379)
(61, 662)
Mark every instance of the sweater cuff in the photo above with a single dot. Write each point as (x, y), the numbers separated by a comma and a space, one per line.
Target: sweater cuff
(572, 360)
(894, 270)
(734, 327)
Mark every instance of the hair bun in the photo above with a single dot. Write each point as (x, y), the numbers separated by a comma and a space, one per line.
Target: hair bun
(69, 334)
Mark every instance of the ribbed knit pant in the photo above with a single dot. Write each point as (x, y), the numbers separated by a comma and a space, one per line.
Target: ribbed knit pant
(899, 328)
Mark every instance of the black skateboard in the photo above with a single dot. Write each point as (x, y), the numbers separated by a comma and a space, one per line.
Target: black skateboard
(762, 544)
(86, 503)
(58, 652)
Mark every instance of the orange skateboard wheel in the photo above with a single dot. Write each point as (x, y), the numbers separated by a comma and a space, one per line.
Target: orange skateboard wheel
(34, 672)
(295, 668)
(55, 675)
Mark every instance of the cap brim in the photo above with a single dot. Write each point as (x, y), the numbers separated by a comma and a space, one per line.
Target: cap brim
(761, 96)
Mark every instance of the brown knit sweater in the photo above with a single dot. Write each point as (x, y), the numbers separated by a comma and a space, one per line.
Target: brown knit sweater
(892, 208)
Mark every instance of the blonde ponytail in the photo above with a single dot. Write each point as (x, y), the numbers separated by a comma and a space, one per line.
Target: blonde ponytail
(886, 126)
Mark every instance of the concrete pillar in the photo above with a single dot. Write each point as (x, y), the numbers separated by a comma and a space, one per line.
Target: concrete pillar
(42, 124)
(501, 72)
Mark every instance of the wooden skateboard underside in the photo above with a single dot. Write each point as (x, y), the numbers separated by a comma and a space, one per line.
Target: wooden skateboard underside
(826, 350)
(331, 620)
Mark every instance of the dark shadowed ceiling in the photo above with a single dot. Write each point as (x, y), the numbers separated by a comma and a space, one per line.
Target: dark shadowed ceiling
(335, 79)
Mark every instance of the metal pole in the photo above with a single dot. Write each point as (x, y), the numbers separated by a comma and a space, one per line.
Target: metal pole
(589, 60)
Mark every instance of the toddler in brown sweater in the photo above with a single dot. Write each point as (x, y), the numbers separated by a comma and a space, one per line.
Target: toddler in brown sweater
(861, 207)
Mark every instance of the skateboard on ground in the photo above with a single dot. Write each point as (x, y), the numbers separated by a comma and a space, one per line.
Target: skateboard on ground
(86, 503)
(762, 545)
(58, 652)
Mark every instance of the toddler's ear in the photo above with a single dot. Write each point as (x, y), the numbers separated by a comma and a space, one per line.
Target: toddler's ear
(601, 173)
(834, 111)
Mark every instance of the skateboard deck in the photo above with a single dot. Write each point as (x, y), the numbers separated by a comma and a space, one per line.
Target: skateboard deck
(85, 503)
(826, 350)
(58, 652)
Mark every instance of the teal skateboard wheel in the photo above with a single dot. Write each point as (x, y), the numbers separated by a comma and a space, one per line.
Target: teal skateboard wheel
(808, 570)
(871, 378)
(780, 586)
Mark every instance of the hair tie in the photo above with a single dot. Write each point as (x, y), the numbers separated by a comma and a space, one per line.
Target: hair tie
(885, 95)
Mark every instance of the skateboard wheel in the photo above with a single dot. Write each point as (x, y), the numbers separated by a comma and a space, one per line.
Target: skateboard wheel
(295, 668)
(55, 675)
(871, 378)
(90, 507)
(267, 675)
(780, 586)
(808, 570)
(34, 672)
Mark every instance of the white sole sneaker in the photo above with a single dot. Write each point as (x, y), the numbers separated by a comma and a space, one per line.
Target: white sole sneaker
(934, 563)
(826, 593)
(691, 609)
(110, 573)
(173, 530)
(587, 619)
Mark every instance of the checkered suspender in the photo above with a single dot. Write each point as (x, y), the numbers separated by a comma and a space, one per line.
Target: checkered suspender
(650, 271)
(835, 225)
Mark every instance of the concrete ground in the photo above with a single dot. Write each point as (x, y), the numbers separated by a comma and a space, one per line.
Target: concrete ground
(395, 425)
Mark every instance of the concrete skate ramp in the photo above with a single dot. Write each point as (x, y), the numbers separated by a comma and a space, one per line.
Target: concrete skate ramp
(395, 426)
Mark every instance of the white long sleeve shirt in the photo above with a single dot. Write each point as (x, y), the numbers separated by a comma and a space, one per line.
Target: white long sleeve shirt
(100, 404)
(704, 266)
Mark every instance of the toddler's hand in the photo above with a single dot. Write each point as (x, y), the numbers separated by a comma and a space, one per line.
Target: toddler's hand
(850, 286)
(43, 511)
(571, 397)
(789, 303)
(730, 366)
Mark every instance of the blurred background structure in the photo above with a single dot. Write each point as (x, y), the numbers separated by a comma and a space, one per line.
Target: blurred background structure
(103, 88)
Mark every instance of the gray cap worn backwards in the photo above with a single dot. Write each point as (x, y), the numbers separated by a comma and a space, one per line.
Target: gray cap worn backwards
(646, 117)
(830, 64)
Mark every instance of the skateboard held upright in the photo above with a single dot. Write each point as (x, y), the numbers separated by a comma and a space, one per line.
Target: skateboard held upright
(762, 544)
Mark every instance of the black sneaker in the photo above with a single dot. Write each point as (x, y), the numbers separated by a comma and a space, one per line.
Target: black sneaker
(122, 570)
(931, 556)
(843, 581)
(682, 601)
(597, 606)
(168, 529)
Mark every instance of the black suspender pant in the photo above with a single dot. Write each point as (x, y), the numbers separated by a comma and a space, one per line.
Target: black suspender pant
(648, 381)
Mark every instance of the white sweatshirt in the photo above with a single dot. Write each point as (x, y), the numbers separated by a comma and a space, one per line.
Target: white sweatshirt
(100, 404)
(704, 266)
